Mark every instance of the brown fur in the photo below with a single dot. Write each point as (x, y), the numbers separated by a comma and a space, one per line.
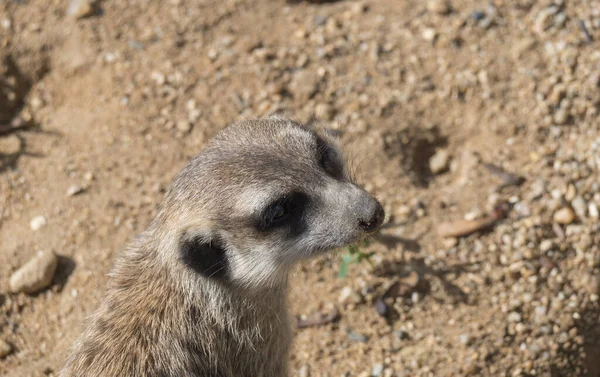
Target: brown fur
(165, 315)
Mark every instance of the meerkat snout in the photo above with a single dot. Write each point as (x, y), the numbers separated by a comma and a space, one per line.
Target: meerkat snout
(373, 216)
(202, 292)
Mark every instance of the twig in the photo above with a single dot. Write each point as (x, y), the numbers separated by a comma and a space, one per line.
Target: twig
(465, 227)
(586, 33)
(508, 179)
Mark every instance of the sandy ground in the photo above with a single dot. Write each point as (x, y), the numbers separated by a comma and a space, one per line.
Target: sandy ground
(425, 95)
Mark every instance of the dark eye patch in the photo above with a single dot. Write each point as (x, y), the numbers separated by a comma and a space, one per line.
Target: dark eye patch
(328, 159)
(284, 211)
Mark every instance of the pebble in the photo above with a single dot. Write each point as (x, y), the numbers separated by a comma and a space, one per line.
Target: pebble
(579, 206)
(545, 19)
(304, 371)
(429, 34)
(477, 15)
(564, 216)
(184, 126)
(80, 8)
(438, 6)
(357, 337)
(5, 348)
(561, 116)
(348, 295)
(377, 370)
(37, 222)
(593, 211)
(439, 162)
(514, 317)
(464, 339)
(36, 274)
(74, 190)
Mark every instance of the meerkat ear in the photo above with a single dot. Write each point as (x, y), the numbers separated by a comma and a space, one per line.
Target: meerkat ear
(205, 255)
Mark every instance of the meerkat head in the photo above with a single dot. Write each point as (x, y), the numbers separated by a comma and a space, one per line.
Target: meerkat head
(264, 194)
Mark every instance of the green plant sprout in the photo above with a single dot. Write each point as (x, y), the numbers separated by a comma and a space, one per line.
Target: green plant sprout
(355, 254)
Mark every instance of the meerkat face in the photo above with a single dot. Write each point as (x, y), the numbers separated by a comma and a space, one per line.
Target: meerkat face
(263, 195)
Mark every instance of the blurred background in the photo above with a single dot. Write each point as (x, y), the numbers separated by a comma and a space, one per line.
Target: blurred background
(474, 122)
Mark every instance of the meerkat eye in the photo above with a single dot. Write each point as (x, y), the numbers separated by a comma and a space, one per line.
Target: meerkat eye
(281, 211)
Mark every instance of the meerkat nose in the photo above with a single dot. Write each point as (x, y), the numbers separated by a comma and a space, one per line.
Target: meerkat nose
(373, 221)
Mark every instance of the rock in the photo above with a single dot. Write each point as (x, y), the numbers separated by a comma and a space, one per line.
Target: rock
(561, 116)
(438, 6)
(304, 371)
(593, 211)
(348, 295)
(579, 206)
(74, 190)
(357, 337)
(545, 19)
(377, 370)
(464, 339)
(80, 8)
(184, 126)
(450, 242)
(546, 245)
(35, 274)
(37, 222)
(477, 15)
(514, 317)
(429, 34)
(564, 216)
(5, 349)
(439, 162)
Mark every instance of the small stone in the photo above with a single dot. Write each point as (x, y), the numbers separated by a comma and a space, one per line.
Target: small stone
(348, 295)
(579, 206)
(415, 297)
(429, 34)
(546, 245)
(564, 216)
(438, 6)
(401, 335)
(439, 162)
(80, 8)
(5, 349)
(184, 126)
(545, 19)
(37, 222)
(357, 337)
(477, 15)
(464, 339)
(514, 317)
(36, 274)
(593, 211)
(74, 190)
(450, 242)
(304, 371)
(377, 370)
(561, 116)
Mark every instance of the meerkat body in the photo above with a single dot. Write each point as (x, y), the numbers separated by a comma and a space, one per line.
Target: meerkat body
(203, 291)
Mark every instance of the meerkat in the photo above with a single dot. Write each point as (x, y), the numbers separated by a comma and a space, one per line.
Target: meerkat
(202, 291)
